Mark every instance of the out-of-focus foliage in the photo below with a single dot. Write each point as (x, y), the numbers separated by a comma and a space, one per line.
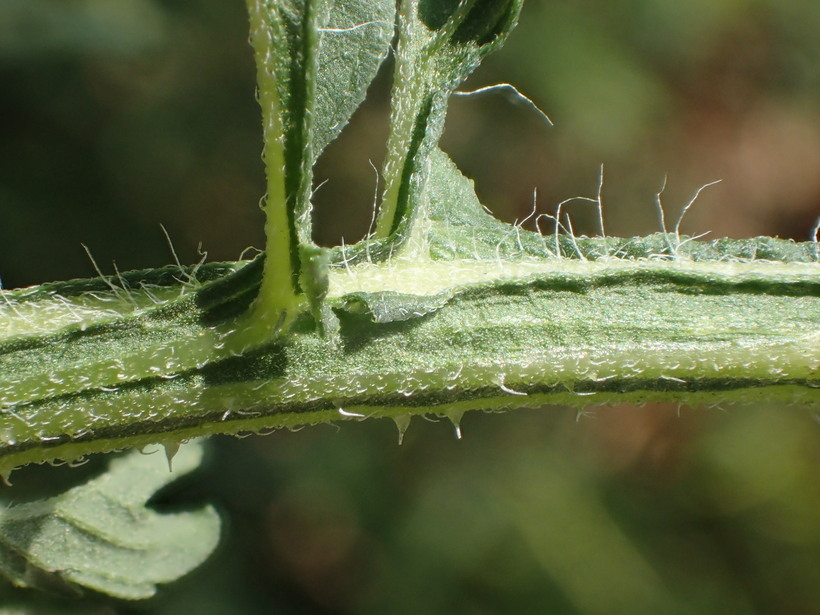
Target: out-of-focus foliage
(108, 130)
(115, 117)
(101, 535)
(105, 137)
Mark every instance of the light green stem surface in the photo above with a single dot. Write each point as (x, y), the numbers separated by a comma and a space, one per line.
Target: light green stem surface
(444, 310)
(85, 368)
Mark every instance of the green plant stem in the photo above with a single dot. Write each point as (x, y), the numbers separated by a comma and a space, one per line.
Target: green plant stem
(415, 337)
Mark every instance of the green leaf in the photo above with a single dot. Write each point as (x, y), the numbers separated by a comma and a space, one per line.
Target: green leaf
(440, 42)
(101, 535)
(459, 227)
(352, 45)
(390, 306)
(322, 56)
(315, 59)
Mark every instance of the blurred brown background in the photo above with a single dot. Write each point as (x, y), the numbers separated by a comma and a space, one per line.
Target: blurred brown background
(118, 116)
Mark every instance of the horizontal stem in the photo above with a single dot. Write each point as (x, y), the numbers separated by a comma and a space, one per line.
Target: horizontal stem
(420, 338)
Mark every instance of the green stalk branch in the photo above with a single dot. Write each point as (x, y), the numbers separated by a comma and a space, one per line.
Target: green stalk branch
(440, 337)
(436, 51)
(284, 44)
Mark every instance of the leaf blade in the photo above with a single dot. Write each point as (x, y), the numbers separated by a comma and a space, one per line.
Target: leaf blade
(440, 42)
(315, 59)
(101, 535)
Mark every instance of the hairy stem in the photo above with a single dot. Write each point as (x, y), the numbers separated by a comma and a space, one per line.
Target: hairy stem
(279, 292)
(415, 337)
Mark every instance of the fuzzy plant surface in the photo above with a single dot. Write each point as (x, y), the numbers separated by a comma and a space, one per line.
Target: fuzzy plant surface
(441, 309)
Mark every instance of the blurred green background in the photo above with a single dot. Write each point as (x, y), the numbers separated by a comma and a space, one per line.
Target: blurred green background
(118, 116)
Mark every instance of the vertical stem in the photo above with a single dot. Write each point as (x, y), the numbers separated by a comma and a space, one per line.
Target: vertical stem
(278, 294)
(402, 120)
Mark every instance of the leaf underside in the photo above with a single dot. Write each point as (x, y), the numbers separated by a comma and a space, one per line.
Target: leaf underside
(102, 536)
